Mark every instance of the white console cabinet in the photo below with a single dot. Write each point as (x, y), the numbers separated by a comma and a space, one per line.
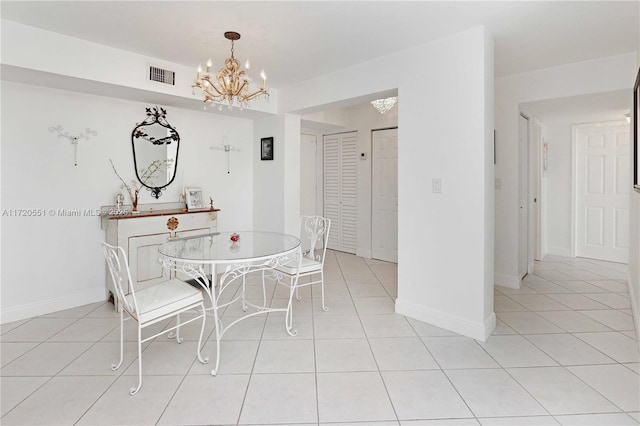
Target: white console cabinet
(141, 234)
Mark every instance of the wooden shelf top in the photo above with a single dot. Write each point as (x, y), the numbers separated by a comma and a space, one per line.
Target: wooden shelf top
(156, 212)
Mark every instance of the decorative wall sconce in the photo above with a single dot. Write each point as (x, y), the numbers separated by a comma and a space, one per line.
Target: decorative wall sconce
(74, 139)
(226, 148)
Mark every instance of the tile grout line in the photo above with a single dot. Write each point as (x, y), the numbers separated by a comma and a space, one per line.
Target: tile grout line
(384, 383)
(445, 374)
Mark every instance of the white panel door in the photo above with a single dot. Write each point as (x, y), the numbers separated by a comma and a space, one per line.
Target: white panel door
(341, 189)
(384, 197)
(602, 191)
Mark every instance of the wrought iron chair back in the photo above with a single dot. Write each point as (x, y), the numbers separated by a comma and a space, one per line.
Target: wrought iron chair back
(315, 230)
(120, 275)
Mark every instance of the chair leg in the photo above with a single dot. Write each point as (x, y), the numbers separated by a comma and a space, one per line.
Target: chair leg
(114, 367)
(134, 391)
(297, 292)
(178, 338)
(204, 317)
(324, 307)
(288, 319)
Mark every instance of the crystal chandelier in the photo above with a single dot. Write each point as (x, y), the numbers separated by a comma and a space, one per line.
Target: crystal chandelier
(384, 105)
(231, 83)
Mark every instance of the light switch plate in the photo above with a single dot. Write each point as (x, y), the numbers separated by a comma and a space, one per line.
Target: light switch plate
(436, 185)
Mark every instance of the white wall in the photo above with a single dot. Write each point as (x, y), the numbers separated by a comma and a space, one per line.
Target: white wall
(363, 119)
(489, 180)
(268, 176)
(51, 263)
(292, 174)
(558, 199)
(445, 131)
(276, 190)
(596, 76)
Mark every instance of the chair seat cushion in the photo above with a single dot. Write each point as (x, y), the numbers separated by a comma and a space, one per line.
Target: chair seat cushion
(164, 298)
(308, 265)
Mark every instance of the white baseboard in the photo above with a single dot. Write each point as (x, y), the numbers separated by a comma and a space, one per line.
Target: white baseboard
(44, 307)
(504, 280)
(635, 309)
(478, 331)
(560, 251)
(366, 253)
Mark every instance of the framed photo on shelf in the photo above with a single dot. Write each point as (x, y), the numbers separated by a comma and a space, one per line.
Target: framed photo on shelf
(266, 148)
(194, 198)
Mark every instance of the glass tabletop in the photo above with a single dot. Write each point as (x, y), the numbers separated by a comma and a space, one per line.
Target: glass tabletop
(220, 247)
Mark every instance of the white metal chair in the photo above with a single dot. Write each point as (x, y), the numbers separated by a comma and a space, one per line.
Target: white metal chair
(164, 300)
(314, 230)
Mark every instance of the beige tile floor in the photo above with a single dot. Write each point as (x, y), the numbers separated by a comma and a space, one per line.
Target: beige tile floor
(564, 352)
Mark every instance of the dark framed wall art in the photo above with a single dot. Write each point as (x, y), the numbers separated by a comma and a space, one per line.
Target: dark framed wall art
(636, 130)
(266, 148)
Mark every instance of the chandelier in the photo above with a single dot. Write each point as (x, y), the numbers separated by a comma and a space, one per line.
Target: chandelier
(230, 84)
(384, 105)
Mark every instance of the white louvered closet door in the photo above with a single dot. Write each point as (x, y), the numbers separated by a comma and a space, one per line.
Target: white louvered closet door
(341, 189)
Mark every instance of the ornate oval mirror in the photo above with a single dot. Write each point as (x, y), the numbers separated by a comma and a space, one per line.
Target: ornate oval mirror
(155, 151)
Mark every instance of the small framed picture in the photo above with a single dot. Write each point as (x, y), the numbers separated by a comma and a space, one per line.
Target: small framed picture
(266, 148)
(194, 198)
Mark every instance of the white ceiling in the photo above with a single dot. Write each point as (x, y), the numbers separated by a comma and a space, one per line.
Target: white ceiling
(609, 106)
(298, 40)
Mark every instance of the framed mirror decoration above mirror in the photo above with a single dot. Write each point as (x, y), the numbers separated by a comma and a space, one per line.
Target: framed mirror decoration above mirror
(155, 151)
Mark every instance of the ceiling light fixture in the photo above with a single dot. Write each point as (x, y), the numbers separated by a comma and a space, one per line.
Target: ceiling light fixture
(231, 83)
(628, 117)
(384, 105)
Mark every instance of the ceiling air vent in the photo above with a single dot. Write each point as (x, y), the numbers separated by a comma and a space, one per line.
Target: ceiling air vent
(161, 75)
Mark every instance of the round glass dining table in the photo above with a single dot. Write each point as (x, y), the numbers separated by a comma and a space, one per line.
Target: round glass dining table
(229, 247)
(240, 253)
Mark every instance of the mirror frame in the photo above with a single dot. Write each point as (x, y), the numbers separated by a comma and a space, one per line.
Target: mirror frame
(156, 115)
